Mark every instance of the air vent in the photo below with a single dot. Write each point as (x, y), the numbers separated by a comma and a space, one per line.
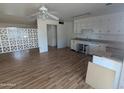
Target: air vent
(61, 22)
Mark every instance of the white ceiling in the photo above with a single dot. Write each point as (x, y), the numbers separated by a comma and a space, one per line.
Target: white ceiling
(19, 12)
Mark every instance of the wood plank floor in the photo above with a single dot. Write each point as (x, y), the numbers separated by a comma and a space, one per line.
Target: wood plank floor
(57, 69)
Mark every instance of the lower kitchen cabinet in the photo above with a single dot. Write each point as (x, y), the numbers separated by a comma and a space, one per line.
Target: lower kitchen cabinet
(74, 45)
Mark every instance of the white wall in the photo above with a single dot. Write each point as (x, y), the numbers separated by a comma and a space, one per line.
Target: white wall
(52, 35)
(64, 34)
(69, 31)
(42, 33)
(61, 36)
(42, 36)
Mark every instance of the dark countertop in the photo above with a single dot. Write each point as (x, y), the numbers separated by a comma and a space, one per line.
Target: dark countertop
(96, 40)
(116, 48)
(114, 44)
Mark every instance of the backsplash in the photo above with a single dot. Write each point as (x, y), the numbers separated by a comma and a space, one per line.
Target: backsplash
(15, 39)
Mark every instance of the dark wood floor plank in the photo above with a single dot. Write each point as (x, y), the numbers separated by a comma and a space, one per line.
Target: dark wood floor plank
(59, 68)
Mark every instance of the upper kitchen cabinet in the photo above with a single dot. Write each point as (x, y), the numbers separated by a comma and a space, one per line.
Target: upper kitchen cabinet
(121, 25)
(82, 25)
(106, 24)
(86, 24)
(91, 24)
(77, 28)
(113, 24)
(103, 23)
(94, 25)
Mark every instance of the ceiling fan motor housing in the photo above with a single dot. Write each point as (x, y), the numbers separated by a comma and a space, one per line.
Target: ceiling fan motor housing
(43, 8)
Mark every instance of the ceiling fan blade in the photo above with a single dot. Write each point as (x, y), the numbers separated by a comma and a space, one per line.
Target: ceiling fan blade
(53, 12)
(52, 16)
(33, 15)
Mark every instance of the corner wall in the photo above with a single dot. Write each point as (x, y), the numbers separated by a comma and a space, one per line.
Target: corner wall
(42, 33)
(69, 29)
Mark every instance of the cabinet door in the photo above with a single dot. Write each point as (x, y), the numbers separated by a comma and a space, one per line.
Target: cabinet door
(75, 27)
(78, 27)
(94, 25)
(114, 24)
(104, 24)
(121, 30)
(75, 45)
(72, 44)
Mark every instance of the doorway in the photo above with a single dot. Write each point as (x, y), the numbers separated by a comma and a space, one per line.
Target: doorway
(52, 36)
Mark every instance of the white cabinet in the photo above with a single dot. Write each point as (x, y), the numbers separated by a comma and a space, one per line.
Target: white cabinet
(113, 24)
(121, 30)
(96, 25)
(105, 27)
(77, 26)
(74, 45)
(81, 26)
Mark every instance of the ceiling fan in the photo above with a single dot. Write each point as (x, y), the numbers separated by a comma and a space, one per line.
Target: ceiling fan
(44, 14)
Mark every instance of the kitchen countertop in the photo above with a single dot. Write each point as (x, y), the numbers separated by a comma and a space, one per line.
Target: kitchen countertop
(114, 44)
(95, 40)
(116, 48)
